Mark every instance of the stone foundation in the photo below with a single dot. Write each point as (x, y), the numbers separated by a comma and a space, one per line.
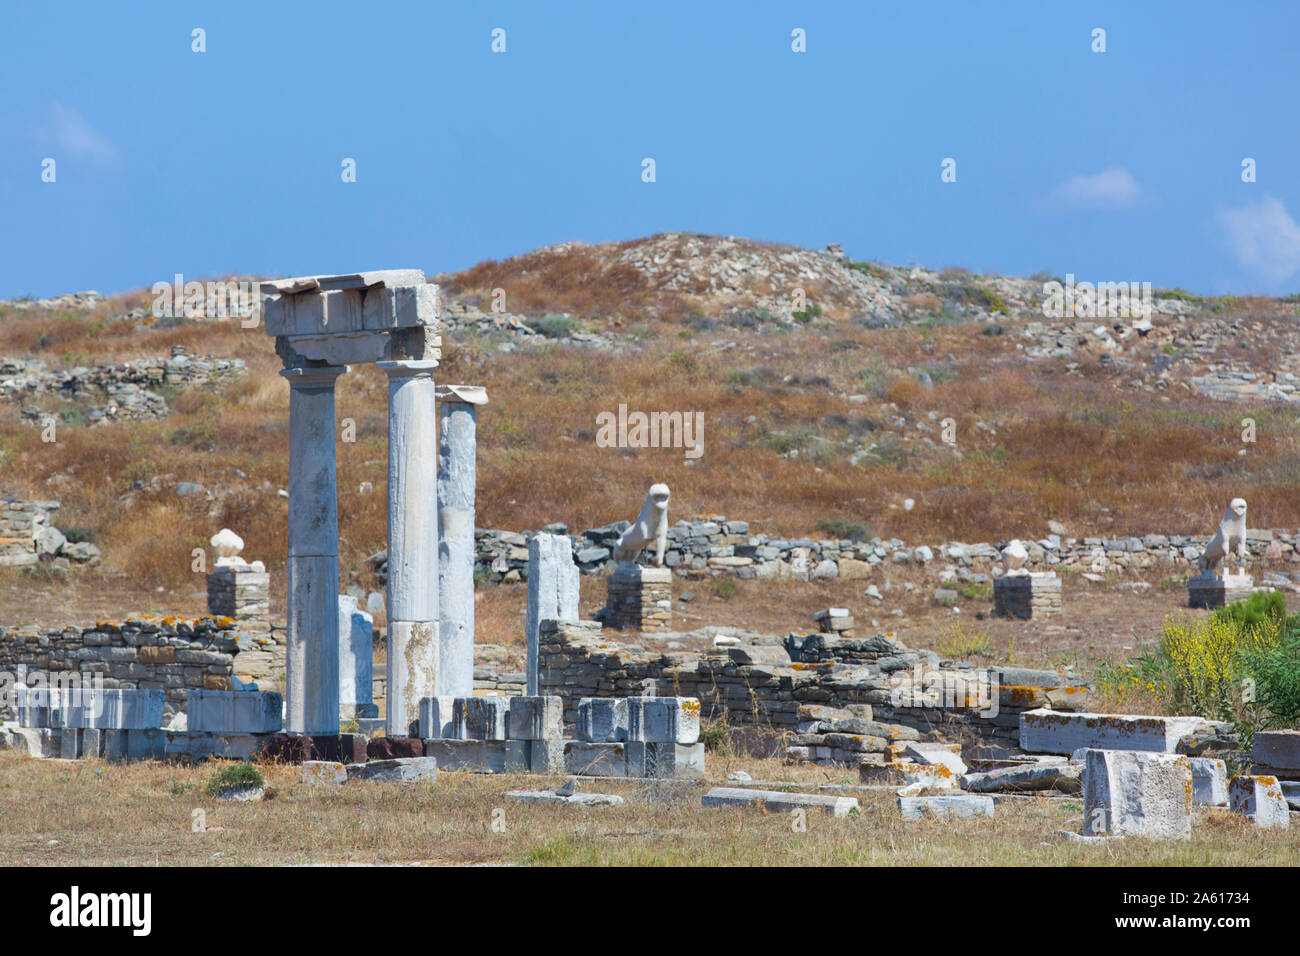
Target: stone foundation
(639, 598)
(1026, 596)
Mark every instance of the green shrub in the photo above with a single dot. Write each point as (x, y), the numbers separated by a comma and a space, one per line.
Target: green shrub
(715, 736)
(723, 588)
(843, 530)
(1260, 607)
(235, 776)
(1276, 673)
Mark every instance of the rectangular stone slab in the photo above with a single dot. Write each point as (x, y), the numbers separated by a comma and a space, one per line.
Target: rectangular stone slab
(779, 802)
(1056, 732)
(961, 806)
(401, 770)
(479, 756)
(234, 711)
(1260, 799)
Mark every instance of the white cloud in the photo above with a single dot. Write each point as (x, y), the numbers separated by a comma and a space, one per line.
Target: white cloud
(1112, 188)
(66, 132)
(1263, 238)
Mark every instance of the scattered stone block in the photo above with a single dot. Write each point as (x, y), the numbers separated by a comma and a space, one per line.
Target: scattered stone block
(1209, 782)
(200, 746)
(1053, 732)
(1137, 793)
(324, 773)
(234, 712)
(573, 799)
(127, 745)
(602, 719)
(535, 718)
(779, 802)
(1026, 777)
(402, 770)
(1291, 792)
(960, 806)
(947, 755)
(1277, 753)
(1259, 798)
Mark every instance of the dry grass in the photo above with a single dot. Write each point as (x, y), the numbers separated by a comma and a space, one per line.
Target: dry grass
(84, 806)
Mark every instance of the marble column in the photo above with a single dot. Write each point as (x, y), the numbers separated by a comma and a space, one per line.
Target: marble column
(312, 644)
(412, 541)
(457, 422)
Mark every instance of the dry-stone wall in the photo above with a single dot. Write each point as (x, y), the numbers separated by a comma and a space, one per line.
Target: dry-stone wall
(716, 545)
(125, 390)
(765, 684)
(171, 654)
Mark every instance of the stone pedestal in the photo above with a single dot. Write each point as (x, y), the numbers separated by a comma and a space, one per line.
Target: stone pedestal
(1210, 590)
(640, 598)
(457, 439)
(412, 541)
(1027, 595)
(239, 590)
(312, 644)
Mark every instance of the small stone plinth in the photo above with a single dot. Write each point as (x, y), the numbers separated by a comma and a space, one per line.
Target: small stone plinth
(639, 598)
(1028, 595)
(1210, 590)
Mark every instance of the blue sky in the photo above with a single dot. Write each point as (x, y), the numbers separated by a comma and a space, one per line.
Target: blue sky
(1123, 165)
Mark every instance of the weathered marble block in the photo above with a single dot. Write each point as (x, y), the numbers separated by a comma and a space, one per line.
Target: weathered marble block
(437, 717)
(1210, 589)
(663, 719)
(479, 718)
(1137, 793)
(602, 719)
(1260, 799)
(535, 718)
(1057, 732)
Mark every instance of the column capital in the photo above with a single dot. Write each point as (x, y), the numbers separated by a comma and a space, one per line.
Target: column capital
(313, 374)
(461, 394)
(408, 368)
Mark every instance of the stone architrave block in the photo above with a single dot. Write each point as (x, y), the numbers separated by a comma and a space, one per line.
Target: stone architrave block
(1057, 732)
(535, 718)
(1209, 782)
(479, 718)
(602, 719)
(234, 712)
(436, 717)
(1259, 798)
(663, 719)
(1137, 793)
(778, 801)
(125, 745)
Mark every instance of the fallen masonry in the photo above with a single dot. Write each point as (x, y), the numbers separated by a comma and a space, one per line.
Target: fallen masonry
(1065, 778)
(1136, 793)
(573, 799)
(961, 806)
(1259, 798)
(779, 801)
(1045, 731)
